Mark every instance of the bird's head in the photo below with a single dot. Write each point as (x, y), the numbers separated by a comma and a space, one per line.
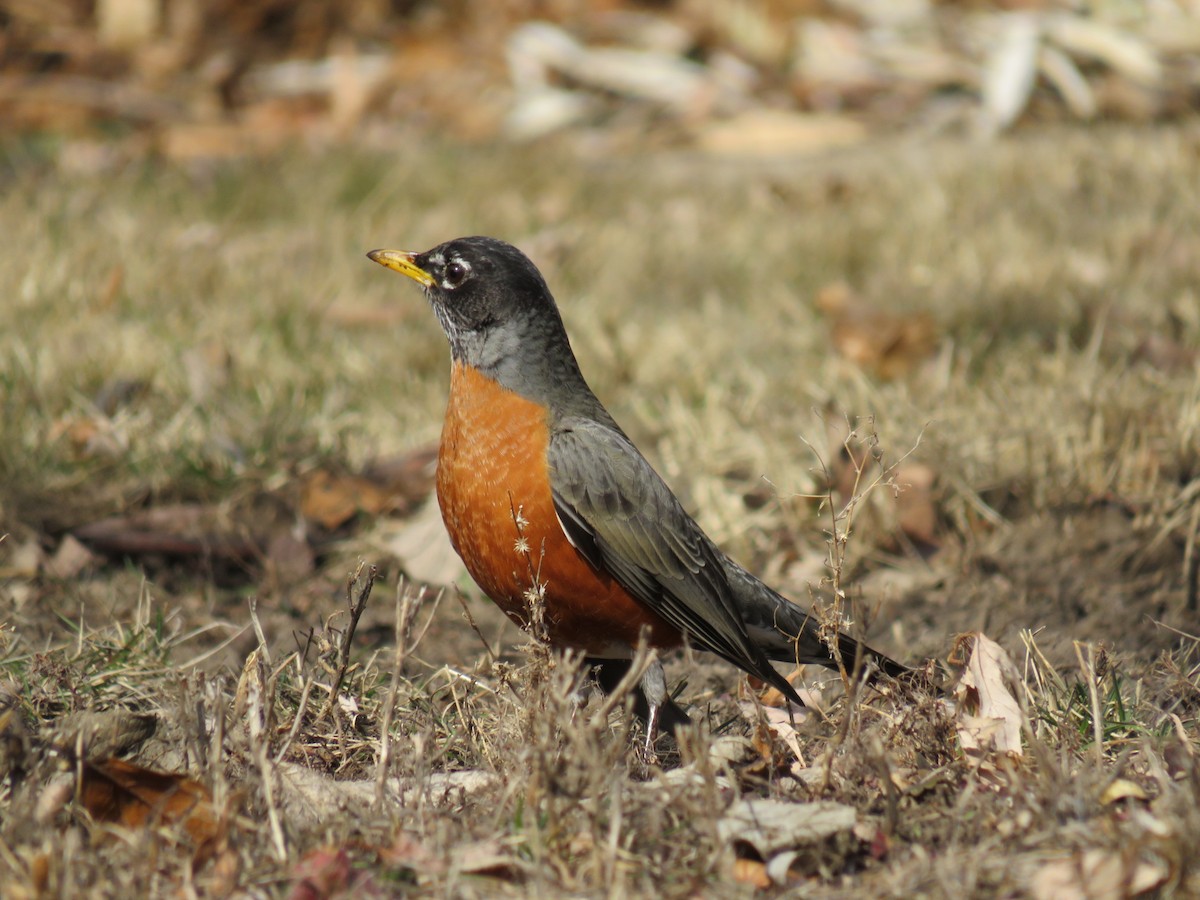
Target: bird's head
(500, 318)
(477, 285)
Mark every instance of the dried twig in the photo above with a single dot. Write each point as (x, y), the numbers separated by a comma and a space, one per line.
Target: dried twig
(258, 631)
(214, 698)
(1087, 666)
(535, 594)
(487, 648)
(358, 591)
(298, 717)
(408, 603)
(266, 766)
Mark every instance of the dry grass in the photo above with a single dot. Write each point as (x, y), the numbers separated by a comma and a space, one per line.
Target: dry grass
(213, 335)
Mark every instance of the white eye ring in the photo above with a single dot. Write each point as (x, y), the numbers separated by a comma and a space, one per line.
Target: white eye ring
(456, 273)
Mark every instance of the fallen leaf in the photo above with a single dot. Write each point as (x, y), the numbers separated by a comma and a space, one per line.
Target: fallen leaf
(916, 511)
(773, 697)
(309, 797)
(125, 24)
(989, 719)
(759, 133)
(1096, 875)
(1122, 789)
(779, 724)
(882, 342)
(1116, 46)
(290, 559)
(544, 51)
(1121, 98)
(323, 873)
(544, 109)
(423, 547)
(354, 81)
(911, 509)
(832, 56)
(53, 797)
(221, 877)
(120, 792)
(1010, 70)
(70, 559)
(388, 485)
(407, 477)
(1061, 72)
(332, 500)
(435, 72)
(751, 872)
(485, 857)
(779, 867)
(408, 851)
(771, 826)
(22, 560)
(249, 679)
(729, 750)
(103, 733)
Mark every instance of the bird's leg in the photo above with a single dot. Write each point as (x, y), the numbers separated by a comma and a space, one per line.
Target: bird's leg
(651, 703)
(654, 689)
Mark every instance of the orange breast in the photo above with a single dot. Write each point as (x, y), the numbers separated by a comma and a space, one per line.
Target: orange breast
(492, 469)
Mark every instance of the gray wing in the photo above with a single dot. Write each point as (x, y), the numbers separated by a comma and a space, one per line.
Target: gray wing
(625, 521)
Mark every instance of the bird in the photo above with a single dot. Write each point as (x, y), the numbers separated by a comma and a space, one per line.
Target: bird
(538, 483)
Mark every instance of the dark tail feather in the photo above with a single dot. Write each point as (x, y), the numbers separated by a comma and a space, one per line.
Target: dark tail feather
(788, 633)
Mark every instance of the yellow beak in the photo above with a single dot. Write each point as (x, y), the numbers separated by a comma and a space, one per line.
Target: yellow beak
(402, 262)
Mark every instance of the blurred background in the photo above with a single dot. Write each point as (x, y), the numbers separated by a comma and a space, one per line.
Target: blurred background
(190, 79)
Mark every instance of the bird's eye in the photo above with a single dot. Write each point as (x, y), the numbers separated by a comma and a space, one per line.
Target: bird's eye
(456, 274)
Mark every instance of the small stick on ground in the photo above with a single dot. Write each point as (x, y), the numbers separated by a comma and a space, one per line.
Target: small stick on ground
(258, 631)
(298, 717)
(358, 591)
(1191, 562)
(487, 648)
(1088, 667)
(266, 766)
(408, 602)
(212, 697)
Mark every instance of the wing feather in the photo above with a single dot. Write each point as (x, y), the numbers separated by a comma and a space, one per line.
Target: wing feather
(625, 521)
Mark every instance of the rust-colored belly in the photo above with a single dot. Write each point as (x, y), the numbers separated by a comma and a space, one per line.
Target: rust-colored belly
(492, 470)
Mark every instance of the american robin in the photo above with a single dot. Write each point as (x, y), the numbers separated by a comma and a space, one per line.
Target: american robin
(529, 455)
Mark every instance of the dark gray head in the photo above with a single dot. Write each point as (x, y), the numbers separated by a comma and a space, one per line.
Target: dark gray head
(478, 286)
(497, 312)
